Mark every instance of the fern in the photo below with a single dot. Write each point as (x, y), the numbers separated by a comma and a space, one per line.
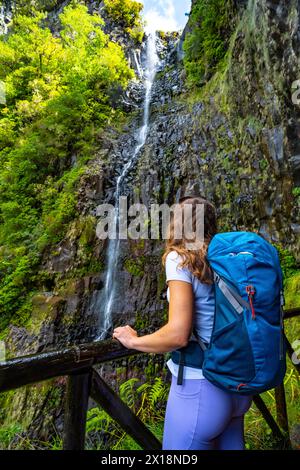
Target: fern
(157, 393)
(128, 392)
(146, 400)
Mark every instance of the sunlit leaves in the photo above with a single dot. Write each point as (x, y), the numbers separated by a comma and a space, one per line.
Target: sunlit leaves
(58, 92)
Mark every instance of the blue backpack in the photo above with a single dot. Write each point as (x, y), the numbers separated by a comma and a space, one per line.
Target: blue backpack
(246, 354)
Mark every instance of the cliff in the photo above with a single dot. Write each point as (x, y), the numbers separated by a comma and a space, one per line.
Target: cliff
(234, 138)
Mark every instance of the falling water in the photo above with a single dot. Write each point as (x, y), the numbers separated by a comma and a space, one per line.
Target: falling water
(152, 62)
(137, 61)
(6, 13)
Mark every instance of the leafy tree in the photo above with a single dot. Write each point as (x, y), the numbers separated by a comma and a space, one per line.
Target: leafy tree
(57, 105)
(127, 13)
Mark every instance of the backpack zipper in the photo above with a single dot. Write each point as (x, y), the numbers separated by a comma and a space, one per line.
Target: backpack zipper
(251, 291)
(241, 253)
(241, 385)
(282, 302)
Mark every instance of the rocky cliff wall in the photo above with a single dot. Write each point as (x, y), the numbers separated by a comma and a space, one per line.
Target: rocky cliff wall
(236, 140)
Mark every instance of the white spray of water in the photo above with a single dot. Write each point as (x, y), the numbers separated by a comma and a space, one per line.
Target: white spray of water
(6, 14)
(113, 249)
(137, 61)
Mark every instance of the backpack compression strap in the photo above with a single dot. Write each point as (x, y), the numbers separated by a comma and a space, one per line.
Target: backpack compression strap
(236, 301)
(233, 297)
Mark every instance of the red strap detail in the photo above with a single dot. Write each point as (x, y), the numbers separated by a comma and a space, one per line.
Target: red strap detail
(251, 291)
(241, 385)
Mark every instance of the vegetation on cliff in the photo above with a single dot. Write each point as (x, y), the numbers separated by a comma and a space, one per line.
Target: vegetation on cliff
(57, 104)
(127, 13)
(211, 25)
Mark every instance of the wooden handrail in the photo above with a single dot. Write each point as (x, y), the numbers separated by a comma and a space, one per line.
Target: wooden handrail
(33, 368)
(291, 312)
(25, 370)
(83, 381)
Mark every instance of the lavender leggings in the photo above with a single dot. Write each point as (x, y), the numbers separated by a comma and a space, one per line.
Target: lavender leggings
(200, 416)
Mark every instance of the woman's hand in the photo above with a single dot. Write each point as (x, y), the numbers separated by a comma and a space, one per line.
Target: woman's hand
(126, 336)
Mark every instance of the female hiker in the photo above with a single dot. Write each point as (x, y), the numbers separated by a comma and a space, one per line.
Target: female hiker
(199, 415)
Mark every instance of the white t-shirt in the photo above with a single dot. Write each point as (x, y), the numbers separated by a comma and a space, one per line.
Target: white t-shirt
(204, 307)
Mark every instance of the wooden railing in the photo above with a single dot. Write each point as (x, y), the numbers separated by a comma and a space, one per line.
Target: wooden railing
(77, 362)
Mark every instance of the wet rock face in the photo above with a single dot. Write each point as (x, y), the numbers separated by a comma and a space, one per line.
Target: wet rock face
(237, 142)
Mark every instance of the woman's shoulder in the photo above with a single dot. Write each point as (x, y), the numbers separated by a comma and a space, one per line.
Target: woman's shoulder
(174, 270)
(174, 256)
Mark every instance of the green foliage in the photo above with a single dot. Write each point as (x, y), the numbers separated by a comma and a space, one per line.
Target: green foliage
(7, 434)
(135, 266)
(292, 291)
(57, 104)
(127, 13)
(148, 401)
(296, 194)
(211, 24)
(288, 263)
(26, 7)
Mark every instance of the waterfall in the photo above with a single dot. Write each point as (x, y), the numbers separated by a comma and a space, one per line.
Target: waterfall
(137, 61)
(113, 250)
(6, 14)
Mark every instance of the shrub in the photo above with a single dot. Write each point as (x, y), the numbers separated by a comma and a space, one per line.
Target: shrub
(58, 103)
(127, 13)
(211, 23)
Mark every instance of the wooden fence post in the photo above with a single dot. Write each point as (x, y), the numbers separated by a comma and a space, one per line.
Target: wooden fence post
(77, 395)
(122, 414)
(268, 417)
(281, 413)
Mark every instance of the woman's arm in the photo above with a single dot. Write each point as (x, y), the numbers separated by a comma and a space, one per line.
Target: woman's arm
(174, 334)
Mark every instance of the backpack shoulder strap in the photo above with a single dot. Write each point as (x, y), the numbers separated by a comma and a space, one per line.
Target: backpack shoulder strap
(201, 343)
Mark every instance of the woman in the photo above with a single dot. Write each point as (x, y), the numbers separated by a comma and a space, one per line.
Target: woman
(199, 416)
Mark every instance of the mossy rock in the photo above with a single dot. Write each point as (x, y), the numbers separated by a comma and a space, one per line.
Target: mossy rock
(135, 266)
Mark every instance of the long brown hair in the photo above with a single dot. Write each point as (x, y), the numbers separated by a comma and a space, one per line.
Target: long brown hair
(194, 260)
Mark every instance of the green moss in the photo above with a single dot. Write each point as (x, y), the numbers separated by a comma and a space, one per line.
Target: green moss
(67, 287)
(296, 194)
(88, 230)
(141, 322)
(263, 164)
(40, 312)
(206, 45)
(289, 265)
(135, 266)
(93, 266)
(18, 409)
